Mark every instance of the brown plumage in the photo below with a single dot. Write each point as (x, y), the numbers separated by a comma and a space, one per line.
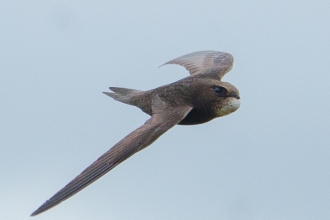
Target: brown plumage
(195, 99)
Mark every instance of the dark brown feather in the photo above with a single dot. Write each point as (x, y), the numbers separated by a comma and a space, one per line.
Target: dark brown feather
(164, 117)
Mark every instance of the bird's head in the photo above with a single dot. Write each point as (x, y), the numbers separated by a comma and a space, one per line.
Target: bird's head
(221, 97)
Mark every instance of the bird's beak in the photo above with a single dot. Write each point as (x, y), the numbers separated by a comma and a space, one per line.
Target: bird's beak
(235, 96)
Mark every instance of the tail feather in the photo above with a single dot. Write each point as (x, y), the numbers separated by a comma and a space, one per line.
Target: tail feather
(123, 91)
(122, 94)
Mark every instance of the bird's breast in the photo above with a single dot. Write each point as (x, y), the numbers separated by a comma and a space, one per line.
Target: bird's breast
(206, 113)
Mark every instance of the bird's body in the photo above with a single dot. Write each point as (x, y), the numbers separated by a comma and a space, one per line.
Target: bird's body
(190, 91)
(196, 99)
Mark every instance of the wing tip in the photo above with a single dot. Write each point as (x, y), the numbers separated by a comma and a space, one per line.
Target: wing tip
(44, 207)
(36, 212)
(169, 62)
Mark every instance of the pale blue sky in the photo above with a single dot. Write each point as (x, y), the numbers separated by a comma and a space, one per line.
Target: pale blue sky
(269, 160)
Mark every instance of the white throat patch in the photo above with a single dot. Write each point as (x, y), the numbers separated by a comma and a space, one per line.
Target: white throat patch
(231, 105)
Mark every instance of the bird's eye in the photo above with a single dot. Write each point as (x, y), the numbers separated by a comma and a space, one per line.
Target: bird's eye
(219, 90)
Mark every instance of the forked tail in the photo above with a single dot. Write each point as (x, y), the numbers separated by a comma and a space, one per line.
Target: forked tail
(123, 95)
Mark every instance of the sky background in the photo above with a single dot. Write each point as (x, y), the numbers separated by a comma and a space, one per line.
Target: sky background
(267, 161)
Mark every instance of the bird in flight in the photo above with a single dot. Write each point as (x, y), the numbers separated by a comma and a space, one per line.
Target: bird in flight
(196, 99)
